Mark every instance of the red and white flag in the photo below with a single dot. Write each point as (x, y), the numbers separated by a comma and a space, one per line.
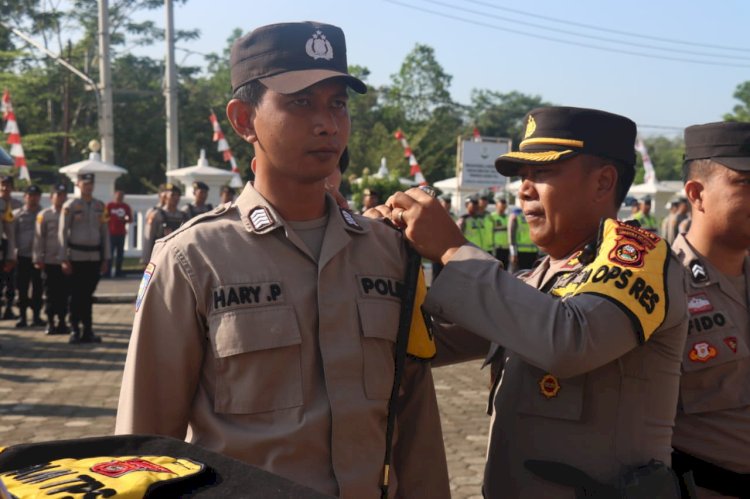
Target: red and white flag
(475, 135)
(222, 144)
(14, 137)
(649, 176)
(414, 169)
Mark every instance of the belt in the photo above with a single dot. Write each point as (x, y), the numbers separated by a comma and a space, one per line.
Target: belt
(711, 476)
(84, 247)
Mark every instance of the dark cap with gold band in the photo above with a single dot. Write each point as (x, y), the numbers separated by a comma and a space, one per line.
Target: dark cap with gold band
(553, 134)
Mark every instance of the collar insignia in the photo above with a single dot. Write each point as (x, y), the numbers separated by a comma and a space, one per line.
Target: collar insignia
(318, 47)
(530, 128)
(260, 218)
(698, 271)
(349, 219)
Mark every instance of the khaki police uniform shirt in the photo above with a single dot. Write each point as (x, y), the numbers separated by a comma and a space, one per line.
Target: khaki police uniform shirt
(47, 247)
(713, 418)
(576, 386)
(9, 233)
(24, 221)
(245, 344)
(84, 223)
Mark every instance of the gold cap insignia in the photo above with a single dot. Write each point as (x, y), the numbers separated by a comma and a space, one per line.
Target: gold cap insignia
(530, 127)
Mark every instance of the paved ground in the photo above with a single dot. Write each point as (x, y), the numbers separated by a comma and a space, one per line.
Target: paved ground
(50, 390)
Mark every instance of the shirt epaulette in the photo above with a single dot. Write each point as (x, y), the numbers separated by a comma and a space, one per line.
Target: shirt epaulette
(203, 217)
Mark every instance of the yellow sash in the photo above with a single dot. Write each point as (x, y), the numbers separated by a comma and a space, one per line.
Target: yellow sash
(421, 342)
(630, 269)
(121, 477)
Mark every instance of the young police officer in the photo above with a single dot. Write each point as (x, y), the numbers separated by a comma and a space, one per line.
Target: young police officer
(590, 344)
(265, 329)
(712, 431)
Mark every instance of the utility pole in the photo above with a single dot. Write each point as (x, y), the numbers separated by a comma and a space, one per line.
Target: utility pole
(170, 93)
(106, 126)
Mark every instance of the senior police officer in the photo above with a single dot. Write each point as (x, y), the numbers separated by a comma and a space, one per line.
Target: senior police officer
(265, 329)
(48, 259)
(84, 240)
(590, 344)
(199, 205)
(24, 221)
(7, 273)
(712, 431)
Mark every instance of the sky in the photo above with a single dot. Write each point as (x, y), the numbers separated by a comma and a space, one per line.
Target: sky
(534, 47)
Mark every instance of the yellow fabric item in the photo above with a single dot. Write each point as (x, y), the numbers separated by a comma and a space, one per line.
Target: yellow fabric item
(551, 141)
(123, 477)
(538, 156)
(8, 215)
(421, 342)
(105, 216)
(630, 270)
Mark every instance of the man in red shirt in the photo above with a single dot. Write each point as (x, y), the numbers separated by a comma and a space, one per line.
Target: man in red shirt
(119, 214)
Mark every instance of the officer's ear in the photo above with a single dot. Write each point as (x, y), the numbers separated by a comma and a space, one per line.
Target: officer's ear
(694, 190)
(242, 117)
(606, 181)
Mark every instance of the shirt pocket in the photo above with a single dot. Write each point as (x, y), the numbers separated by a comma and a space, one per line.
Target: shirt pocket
(711, 362)
(258, 360)
(379, 325)
(548, 396)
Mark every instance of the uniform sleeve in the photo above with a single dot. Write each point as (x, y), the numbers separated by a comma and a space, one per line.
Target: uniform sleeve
(15, 226)
(66, 216)
(455, 344)
(152, 223)
(165, 352)
(418, 451)
(104, 235)
(38, 248)
(564, 337)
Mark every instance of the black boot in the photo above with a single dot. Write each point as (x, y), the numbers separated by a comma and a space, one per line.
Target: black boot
(9, 315)
(75, 335)
(88, 336)
(22, 321)
(38, 320)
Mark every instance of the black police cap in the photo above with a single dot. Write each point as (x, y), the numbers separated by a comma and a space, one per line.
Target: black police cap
(726, 142)
(60, 188)
(7, 179)
(200, 185)
(370, 192)
(169, 187)
(33, 189)
(553, 134)
(226, 188)
(86, 177)
(471, 199)
(289, 57)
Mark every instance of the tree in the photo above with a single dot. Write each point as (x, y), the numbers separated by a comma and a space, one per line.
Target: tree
(421, 85)
(741, 111)
(666, 155)
(498, 114)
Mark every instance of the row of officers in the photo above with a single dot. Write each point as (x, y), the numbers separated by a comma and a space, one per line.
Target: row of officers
(64, 249)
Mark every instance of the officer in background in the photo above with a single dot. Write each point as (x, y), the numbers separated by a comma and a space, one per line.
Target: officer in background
(473, 225)
(226, 194)
(24, 221)
(199, 205)
(370, 199)
(47, 258)
(164, 220)
(500, 229)
(7, 273)
(84, 240)
(644, 216)
(521, 249)
(589, 342)
(163, 193)
(712, 430)
(266, 329)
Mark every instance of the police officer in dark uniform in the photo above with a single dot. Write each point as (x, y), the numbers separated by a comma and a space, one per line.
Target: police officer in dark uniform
(199, 205)
(7, 272)
(370, 199)
(164, 220)
(85, 255)
(23, 224)
(226, 194)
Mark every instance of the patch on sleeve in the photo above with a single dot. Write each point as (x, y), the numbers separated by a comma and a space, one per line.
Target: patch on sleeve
(421, 342)
(147, 274)
(630, 271)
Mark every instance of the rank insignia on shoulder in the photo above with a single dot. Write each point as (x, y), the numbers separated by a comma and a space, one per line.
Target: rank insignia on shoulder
(702, 351)
(260, 218)
(698, 271)
(549, 386)
(349, 219)
(147, 274)
(629, 269)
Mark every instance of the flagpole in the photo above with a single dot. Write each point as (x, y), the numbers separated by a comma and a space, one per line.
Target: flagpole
(170, 93)
(106, 126)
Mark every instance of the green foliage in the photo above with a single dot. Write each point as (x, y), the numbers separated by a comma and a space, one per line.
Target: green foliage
(385, 186)
(666, 155)
(741, 112)
(498, 114)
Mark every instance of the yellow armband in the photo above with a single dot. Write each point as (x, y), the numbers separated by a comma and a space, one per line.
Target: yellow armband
(122, 477)
(8, 215)
(630, 269)
(421, 342)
